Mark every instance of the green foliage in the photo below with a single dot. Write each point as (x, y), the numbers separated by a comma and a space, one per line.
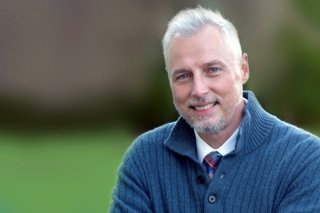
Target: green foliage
(296, 94)
(310, 9)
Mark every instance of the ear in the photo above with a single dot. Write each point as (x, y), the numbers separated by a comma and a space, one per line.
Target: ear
(244, 68)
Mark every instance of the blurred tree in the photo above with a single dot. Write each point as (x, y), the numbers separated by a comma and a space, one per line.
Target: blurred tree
(79, 63)
(310, 10)
(156, 107)
(294, 95)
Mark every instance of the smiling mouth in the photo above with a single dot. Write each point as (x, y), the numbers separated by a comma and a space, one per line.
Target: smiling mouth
(204, 107)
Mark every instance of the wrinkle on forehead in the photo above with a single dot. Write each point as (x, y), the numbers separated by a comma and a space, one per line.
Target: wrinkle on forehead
(203, 47)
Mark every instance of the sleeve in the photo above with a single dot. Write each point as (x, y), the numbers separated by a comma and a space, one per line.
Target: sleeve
(302, 194)
(130, 194)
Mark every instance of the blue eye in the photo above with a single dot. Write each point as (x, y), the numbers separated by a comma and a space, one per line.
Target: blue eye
(213, 69)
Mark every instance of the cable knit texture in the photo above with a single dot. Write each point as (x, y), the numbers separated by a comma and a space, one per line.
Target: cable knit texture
(274, 168)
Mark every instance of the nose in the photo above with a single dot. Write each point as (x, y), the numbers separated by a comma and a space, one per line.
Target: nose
(199, 87)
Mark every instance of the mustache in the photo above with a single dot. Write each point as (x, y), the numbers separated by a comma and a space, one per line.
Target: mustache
(195, 101)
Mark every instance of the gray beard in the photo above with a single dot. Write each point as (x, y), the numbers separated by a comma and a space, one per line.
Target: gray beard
(210, 128)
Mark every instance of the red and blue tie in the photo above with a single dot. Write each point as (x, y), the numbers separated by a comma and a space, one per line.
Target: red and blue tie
(211, 162)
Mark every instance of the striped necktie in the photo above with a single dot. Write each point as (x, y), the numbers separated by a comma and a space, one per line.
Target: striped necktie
(211, 162)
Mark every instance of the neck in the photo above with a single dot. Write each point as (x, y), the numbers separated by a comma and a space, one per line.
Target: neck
(215, 140)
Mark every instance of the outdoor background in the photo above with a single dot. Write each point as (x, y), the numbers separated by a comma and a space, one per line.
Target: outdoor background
(80, 79)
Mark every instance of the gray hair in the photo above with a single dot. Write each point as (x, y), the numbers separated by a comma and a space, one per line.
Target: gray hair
(190, 21)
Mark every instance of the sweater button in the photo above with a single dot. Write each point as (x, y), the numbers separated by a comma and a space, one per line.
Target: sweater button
(212, 198)
(201, 179)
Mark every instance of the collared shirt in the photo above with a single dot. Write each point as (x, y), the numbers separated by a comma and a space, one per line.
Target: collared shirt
(203, 148)
(227, 147)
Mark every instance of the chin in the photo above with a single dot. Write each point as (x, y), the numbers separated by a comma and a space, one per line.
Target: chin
(208, 127)
(212, 129)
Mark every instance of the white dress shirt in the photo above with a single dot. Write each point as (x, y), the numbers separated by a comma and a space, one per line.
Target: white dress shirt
(203, 148)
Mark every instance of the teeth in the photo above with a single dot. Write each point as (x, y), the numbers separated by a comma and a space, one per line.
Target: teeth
(208, 106)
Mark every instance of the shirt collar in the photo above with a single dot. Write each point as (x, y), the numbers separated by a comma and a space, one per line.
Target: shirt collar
(203, 148)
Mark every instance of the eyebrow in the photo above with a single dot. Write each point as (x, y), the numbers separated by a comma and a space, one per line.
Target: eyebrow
(179, 71)
(207, 64)
(213, 62)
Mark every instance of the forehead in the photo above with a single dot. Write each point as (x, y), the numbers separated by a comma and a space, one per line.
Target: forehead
(206, 45)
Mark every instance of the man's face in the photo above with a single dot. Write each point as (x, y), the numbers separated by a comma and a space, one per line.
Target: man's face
(206, 79)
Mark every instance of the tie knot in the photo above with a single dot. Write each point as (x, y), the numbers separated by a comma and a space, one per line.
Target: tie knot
(213, 159)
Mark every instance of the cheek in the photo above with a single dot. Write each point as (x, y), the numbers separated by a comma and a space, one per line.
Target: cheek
(179, 94)
(234, 83)
(229, 90)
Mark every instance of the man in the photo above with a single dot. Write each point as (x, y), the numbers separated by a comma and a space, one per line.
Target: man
(225, 153)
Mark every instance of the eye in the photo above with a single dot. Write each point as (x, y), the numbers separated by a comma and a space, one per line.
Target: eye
(213, 69)
(183, 77)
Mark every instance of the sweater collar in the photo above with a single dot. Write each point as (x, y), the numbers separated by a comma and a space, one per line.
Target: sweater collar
(182, 139)
(254, 128)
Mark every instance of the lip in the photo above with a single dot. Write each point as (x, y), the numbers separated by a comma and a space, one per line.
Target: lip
(204, 109)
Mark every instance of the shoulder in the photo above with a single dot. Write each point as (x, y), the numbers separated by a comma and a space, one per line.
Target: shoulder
(285, 131)
(300, 147)
(149, 142)
(135, 179)
(298, 169)
(154, 137)
(158, 134)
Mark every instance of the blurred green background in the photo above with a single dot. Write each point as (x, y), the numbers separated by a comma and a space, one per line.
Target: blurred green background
(69, 172)
(79, 80)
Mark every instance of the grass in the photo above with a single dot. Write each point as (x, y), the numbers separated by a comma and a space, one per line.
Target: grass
(59, 173)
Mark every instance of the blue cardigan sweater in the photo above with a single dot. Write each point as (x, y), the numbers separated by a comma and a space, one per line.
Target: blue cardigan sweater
(274, 168)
